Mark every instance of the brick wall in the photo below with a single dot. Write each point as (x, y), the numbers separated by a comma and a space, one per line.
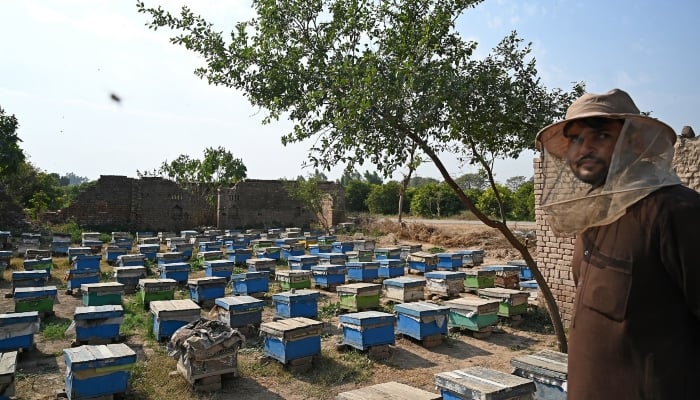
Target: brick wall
(554, 254)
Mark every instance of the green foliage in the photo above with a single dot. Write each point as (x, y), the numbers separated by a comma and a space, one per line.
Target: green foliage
(11, 155)
(436, 250)
(373, 178)
(196, 264)
(54, 328)
(524, 201)
(356, 193)
(418, 181)
(136, 318)
(435, 200)
(310, 194)
(384, 199)
(328, 311)
(477, 181)
(489, 204)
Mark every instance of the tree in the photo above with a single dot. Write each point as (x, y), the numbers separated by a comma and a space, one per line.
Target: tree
(514, 182)
(11, 155)
(349, 175)
(479, 181)
(524, 201)
(418, 181)
(373, 178)
(496, 201)
(366, 81)
(356, 193)
(384, 199)
(435, 200)
(308, 192)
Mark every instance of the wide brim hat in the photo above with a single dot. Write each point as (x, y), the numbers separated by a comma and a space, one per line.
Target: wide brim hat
(615, 104)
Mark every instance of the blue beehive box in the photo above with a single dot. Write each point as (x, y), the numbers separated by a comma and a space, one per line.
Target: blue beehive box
(44, 263)
(170, 257)
(445, 283)
(507, 276)
(327, 276)
(549, 370)
(77, 277)
(422, 261)
(124, 243)
(150, 251)
(239, 311)
(525, 273)
(332, 258)
(471, 258)
(29, 278)
(207, 289)
(76, 251)
(318, 248)
(180, 272)
(250, 283)
(131, 260)
(209, 246)
(384, 253)
(18, 330)
(404, 289)
(291, 339)
(365, 329)
(292, 250)
(235, 244)
(184, 248)
(343, 247)
(327, 239)
(271, 252)
(239, 256)
(483, 383)
(113, 252)
(60, 245)
(296, 303)
(129, 277)
(94, 371)
(98, 323)
(84, 261)
(530, 285)
(5, 257)
(362, 271)
(171, 315)
(262, 264)
(302, 262)
(391, 268)
(421, 319)
(449, 261)
(220, 268)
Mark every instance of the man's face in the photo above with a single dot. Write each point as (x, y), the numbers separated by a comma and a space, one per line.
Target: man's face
(590, 149)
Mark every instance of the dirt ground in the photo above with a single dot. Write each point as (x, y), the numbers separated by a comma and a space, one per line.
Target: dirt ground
(41, 372)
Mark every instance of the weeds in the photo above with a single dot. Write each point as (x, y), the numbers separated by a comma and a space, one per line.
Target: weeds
(329, 311)
(53, 328)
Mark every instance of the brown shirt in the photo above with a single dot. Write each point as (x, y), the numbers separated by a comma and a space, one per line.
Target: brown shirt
(635, 333)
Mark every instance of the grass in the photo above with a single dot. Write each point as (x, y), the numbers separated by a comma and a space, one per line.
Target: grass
(137, 320)
(54, 328)
(329, 310)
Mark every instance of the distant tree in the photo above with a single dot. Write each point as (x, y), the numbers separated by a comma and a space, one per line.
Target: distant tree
(435, 200)
(356, 193)
(348, 176)
(479, 180)
(513, 183)
(310, 194)
(373, 178)
(418, 181)
(524, 201)
(384, 199)
(497, 204)
(11, 155)
(71, 179)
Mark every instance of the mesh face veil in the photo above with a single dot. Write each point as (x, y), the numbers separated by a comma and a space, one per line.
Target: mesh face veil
(641, 163)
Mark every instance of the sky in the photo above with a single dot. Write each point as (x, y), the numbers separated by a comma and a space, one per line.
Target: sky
(63, 59)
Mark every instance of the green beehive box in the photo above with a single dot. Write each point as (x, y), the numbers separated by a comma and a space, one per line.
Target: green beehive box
(360, 255)
(473, 313)
(102, 294)
(297, 279)
(512, 302)
(39, 299)
(359, 296)
(479, 279)
(156, 289)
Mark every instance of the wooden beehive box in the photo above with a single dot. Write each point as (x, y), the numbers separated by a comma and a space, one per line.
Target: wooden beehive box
(388, 391)
(421, 319)
(104, 293)
(445, 283)
(298, 279)
(404, 289)
(549, 370)
(240, 311)
(512, 302)
(170, 315)
(292, 338)
(479, 383)
(101, 370)
(359, 296)
(296, 303)
(366, 329)
(473, 313)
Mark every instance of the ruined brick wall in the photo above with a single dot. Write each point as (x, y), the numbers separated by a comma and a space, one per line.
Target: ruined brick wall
(554, 254)
(154, 204)
(266, 203)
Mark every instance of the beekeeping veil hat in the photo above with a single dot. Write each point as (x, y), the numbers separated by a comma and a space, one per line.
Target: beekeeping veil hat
(640, 164)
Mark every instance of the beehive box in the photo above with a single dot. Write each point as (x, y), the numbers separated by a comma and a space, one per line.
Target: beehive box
(39, 299)
(404, 289)
(445, 283)
(124, 243)
(549, 370)
(239, 256)
(5, 257)
(473, 313)
(291, 339)
(362, 271)
(471, 258)
(180, 272)
(332, 258)
(209, 246)
(481, 383)
(296, 303)
(342, 247)
(302, 262)
(170, 315)
(250, 283)
(328, 276)
(408, 249)
(239, 311)
(206, 289)
(98, 323)
(29, 278)
(112, 253)
(525, 274)
(391, 268)
(388, 391)
(421, 319)
(37, 253)
(360, 255)
(210, 255)
(156, 289)
(293, 279)
(17, 330)
(387, 253)
(366, 329)
(100, 294)
(150, 251)
(76, 251)
(131, 260)
(327, 239)
(422, 261)
(318, 248)
(38, 263)
(94, 371)
(512, 302)
(364, 244)
(449, 261)
(59, 245)
(506, 275)
(185, 248)
(8, 368)
(262, 265)
(477, 278)
(84, 261)
(359, 296)
(170, 257)
(291, 250)
(129, 277)
(219, 268)
(77, 277)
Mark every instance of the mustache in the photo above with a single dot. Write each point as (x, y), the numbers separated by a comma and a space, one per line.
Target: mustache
(588, 158)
